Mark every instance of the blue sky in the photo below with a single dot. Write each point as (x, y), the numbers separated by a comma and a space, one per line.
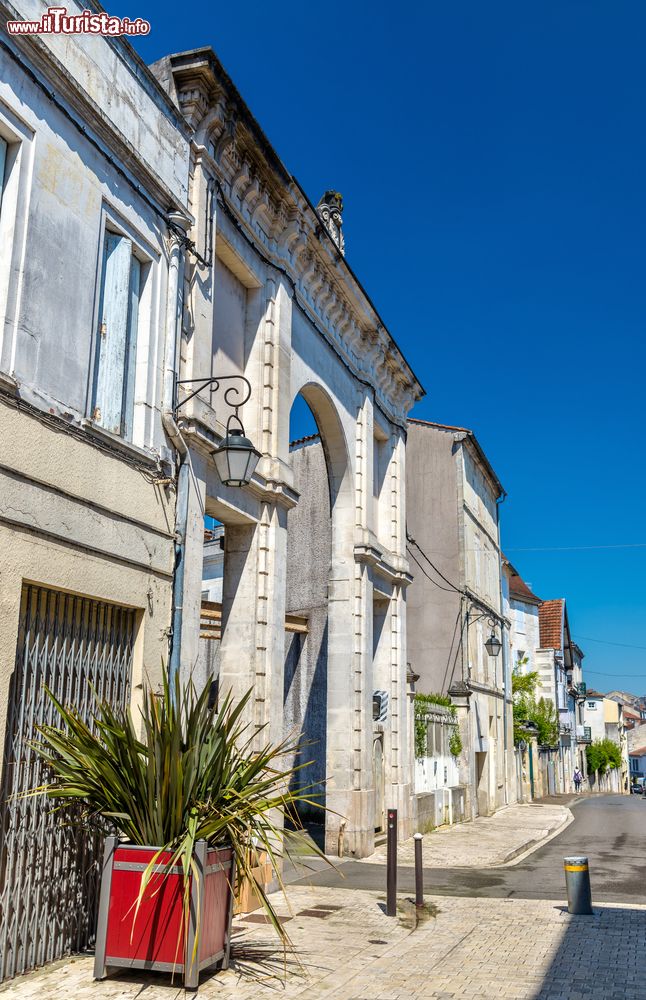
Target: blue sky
(492, 159)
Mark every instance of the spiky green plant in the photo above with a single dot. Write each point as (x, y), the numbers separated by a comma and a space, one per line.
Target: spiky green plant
(189, 772)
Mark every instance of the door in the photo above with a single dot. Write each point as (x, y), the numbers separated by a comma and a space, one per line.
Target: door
(48, 872)
(378, 783)
(482, 783)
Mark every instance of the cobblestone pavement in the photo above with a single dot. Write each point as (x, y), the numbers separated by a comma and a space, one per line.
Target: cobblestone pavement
(349, 950)
(486, 842)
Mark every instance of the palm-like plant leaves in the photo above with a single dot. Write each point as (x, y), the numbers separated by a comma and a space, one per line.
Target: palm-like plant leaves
(193, 774)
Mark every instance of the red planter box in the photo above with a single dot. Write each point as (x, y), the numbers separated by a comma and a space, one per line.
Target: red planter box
(156, 938)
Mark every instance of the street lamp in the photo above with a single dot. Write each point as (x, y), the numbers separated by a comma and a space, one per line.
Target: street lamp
(235, 457)
(493, 644)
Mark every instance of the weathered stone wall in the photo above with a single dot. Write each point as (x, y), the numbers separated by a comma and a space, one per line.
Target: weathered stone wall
(309, 550)
(432, 519)
(82, 510)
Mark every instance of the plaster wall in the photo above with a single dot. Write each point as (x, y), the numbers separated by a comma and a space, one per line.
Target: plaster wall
(452, 514)
(60, 195)
(432, 518)
(72, 518)
(82, 510)
(524, 634)
(309, 553)
(119, 92)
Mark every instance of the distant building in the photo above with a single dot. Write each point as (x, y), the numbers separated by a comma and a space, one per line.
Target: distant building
(558, 662)
(455, 601)
(637, 760)
(604, 718)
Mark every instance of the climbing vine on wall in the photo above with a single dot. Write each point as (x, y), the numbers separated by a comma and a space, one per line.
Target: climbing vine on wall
(424, 703)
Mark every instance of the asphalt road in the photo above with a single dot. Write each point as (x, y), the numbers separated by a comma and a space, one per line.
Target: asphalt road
(609, 829)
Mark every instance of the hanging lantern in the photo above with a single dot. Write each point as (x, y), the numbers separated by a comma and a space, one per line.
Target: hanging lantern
(235, 458)
(493, 644)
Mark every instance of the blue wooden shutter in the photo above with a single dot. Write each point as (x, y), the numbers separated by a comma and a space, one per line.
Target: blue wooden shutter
(114, 313)
(131, 353)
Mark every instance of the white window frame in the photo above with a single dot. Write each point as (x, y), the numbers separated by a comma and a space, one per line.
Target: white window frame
(14, 214)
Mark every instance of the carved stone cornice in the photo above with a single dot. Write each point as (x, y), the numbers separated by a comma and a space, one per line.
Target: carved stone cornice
(393, 569)
(274, 214)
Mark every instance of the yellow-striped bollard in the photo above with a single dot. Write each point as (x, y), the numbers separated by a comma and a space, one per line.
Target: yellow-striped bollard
(577, 883)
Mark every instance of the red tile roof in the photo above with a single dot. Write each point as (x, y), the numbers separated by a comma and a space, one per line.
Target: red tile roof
(550, 623)
(591, 693)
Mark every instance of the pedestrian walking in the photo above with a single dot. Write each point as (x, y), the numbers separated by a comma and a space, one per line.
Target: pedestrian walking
(578, 778)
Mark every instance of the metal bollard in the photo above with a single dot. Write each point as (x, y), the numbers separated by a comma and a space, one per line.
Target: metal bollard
(577, 882)
(391, 865)
(419, 871)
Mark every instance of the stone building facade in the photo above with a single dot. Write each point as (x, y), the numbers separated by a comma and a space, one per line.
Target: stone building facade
(559, 665)
(455, 601)
(269, 295)
(94, 186)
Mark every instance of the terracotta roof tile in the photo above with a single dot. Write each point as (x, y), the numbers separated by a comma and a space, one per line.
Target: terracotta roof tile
(550, 622)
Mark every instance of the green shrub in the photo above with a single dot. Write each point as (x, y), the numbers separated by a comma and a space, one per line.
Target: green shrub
(603, 755)
(541, 713)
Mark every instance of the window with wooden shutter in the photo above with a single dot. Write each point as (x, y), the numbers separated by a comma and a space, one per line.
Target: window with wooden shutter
(113, 402)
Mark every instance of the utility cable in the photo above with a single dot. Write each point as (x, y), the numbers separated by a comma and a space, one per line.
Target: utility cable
(579, 548)
(434, 582)
(607, 642)
(410, 539)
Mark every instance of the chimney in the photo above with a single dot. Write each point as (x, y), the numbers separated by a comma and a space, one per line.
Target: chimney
(330, 212)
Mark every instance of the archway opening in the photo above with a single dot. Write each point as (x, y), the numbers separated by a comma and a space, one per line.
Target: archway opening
(319, 463)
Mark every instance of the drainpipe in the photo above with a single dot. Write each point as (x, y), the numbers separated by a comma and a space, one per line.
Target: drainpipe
(171, 365)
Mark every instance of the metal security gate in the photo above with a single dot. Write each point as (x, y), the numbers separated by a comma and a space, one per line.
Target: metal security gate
(49, 872)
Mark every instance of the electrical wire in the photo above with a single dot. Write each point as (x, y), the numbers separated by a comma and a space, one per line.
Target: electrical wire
(410, 539)
(153, 473)
(434, 582)
(578, 548)
(446, 684)
(608, 642)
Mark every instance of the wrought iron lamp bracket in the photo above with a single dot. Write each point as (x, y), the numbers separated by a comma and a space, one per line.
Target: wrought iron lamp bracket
(235, 396)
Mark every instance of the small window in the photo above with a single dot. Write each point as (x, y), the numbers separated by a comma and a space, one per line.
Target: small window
(114, 381)
(592, 705)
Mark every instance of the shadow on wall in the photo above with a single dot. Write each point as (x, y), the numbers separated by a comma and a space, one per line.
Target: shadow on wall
(598, 956)
(306, 707)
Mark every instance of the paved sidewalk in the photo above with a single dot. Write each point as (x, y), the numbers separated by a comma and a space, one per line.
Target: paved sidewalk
(349, 950)
(486, 842)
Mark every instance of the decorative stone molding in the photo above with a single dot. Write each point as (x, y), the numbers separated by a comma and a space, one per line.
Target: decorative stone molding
(330, 210)
(272, 213)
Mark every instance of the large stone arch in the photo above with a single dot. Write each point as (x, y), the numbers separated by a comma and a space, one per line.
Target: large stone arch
(338, 405)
